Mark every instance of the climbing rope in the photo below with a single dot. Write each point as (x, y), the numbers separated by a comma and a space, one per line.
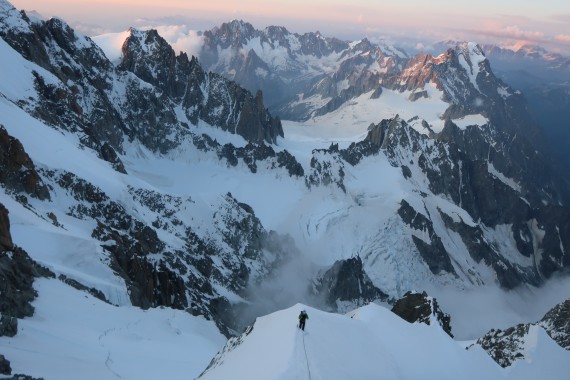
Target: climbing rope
(306, 357)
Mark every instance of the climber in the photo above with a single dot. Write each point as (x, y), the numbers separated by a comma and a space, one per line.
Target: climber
(302, 318)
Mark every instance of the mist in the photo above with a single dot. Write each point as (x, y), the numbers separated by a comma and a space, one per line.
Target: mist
(476, 311)
(289, 282)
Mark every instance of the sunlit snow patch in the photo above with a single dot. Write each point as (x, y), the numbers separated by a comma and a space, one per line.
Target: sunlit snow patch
(470, 120)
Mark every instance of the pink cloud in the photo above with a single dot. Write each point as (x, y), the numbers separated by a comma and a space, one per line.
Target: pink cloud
(564, 38)
(514, 32)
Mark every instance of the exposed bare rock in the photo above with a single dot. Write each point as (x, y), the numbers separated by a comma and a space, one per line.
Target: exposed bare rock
(419, 307)
(17, 171)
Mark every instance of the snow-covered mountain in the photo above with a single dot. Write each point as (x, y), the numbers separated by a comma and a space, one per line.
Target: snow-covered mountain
(516, 343)
(287, 66)
(147, 181)
(367, 343)
(544, 78)
(283, 64)
(529, 53)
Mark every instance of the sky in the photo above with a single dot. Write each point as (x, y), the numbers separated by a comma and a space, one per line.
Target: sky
(504, 22)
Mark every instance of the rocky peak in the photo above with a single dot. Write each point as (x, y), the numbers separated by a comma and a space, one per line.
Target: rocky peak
(13, 20)
(203, 96)
(556, 322)
(512, 344)
(446, 68)
(345, 286)
(419, 307)
(468, 84)
(363, 45)
(234, 34)
(147, 55)
(319, 46)
(472, 53)
(90, 60)
(277, 34)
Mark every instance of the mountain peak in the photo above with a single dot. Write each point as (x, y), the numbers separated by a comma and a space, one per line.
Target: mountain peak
(233, 34)
(11, 19)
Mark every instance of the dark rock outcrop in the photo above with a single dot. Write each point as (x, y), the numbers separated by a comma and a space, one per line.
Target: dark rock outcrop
(6, 243)
(20, 376)
(509, 345)
(5, 368)
(327, 167)
(433, 252)
(556, 322)
(254, 154)
(17, 273)
(505, 346)
(109, 154)
(419, 307)
(79, 286)
(17, 171)
(347, 282)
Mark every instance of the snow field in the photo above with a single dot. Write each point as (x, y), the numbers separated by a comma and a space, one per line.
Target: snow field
(87, 338)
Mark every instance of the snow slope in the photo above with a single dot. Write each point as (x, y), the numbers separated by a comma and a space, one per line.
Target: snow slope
(86, 338)
(350, 122)
(369, 343)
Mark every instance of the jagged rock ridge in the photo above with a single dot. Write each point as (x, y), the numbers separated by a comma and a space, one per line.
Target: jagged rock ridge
(512, 344)
(249, 56)
(85, 93)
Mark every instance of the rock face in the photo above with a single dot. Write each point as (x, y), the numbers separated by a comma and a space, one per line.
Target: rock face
(557, 324)
(432, 251)
(203, 96)
(505, 346)
(82, 91)
(509, 345)
(6, 243)
(346, 286)
(159, 275)
(419, 307)
(17, 171)
(5, 368)
(327, 168)
(17, 273)
(498, 193)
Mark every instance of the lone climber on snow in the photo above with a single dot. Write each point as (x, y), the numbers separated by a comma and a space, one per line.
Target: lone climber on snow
(302, 318)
